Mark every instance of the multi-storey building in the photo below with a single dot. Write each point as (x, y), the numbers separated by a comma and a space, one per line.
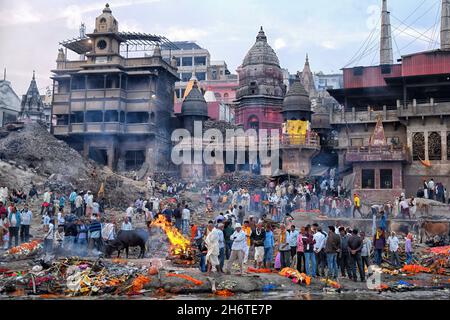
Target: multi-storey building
(116, 109)
(410, 101)
(9, 103)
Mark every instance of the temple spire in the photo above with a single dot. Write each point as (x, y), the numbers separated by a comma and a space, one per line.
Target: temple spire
(386, 54)
(261, 35)
(445, 25)
(34, 75)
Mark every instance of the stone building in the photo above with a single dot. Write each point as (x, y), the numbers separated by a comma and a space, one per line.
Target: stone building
(259, 97)
(32, 106)
(9, 103)
(116, 109)
(412, 100)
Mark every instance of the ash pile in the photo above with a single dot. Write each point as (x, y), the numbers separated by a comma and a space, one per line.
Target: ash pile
(237, 180)
(29, 153)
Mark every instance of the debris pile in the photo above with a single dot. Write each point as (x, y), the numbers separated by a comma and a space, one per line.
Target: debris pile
(237, 180)
(37, 156)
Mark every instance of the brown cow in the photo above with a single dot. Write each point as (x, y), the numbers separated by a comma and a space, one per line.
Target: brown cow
(434, 228)
(400, 228)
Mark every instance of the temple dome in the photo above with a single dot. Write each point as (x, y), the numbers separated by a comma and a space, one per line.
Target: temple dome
(195, 104)
(261, 52)
(297, 99)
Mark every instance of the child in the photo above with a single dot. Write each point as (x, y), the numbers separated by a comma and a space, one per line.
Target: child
(5, 240)
(408, 248)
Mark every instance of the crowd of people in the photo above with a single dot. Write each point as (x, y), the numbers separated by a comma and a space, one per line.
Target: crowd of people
(225, 242)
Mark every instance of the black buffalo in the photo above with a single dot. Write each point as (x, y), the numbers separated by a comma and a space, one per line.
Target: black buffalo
(126, 239)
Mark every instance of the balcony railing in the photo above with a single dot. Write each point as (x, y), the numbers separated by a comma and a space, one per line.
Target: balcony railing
(378, 153)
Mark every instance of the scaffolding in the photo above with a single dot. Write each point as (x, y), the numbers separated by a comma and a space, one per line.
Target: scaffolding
(130, 42)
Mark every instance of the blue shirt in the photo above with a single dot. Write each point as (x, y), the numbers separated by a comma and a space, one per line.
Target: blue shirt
(72, 196)
(269, 242)
(293, 238)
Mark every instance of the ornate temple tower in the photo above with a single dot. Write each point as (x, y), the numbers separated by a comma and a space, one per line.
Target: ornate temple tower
(194, 109)
(32, 107)
(261, 90)
(296, 104)
(307, 79)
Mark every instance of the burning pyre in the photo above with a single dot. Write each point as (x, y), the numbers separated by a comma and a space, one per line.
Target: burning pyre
(181, 251)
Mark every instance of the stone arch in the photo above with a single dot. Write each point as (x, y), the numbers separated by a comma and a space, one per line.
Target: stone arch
(418, 146)
(434, 146)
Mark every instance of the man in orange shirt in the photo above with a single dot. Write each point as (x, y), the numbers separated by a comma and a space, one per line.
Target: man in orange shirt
(248, 231)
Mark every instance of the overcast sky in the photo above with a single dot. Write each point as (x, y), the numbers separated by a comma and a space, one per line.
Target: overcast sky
(331, 31)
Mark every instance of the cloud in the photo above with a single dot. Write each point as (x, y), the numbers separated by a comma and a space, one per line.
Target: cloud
(24, 13)
(180, 33)
(328, 44)
(279, 44)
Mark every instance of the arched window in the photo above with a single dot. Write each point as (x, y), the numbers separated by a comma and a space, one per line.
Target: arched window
(102, 20)
(217, 95)
(253, 123)
(418, 146)
(434, 146)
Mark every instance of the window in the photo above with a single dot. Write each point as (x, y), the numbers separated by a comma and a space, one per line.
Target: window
(152, 117)
(78, 83)
(386, 179)
(77, 117)
(201, 76)
(62, 119)
(386, 69)
(358, 71)
(218, 95)
(178, 62)
(186, 61)
(434, 146)
(111, 116)
(368, 179)
(122, 117)
(134, 159)
(200, 61)
(137, 117)
(185, 77)
(214, 75)
(418, 145)
(94, 116)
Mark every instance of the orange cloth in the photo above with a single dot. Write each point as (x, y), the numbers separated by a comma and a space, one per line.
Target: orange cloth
(248, 231)
(193, 232)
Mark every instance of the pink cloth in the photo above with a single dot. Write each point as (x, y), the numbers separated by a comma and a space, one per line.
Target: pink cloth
(300, 247)
(278, 261)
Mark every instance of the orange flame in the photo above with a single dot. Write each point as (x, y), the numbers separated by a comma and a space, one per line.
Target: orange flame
(179, 243)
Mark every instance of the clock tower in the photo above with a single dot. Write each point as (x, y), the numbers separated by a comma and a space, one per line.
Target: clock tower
(105, 38)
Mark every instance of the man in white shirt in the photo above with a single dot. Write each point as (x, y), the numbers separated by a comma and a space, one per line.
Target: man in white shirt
(237, 249)
(404, 207)
(126, 225)
(319, 250)
(129, 212)
(25, 220)
(393, 249)
(89, 204)
(185, 218)
(431, 186)
(48, 238)
(79, 206)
